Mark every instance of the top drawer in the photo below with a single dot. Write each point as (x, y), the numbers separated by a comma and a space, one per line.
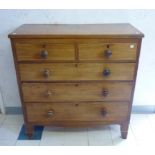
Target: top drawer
(39, 51)
(108, 51)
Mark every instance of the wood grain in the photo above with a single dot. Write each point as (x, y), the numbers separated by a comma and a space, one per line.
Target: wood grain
(74, 40)
(85, 111)
(68, 88)
(76, 30)
(120, 51)
(31, 52)
(76, 71)
(64, 92)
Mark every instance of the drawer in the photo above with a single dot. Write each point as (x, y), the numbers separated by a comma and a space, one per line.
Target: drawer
(64, 92)
(112, 51)
(73, 71)
(83, 111)
(37, 51)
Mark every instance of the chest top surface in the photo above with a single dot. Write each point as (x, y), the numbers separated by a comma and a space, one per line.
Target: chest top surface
(76, 31)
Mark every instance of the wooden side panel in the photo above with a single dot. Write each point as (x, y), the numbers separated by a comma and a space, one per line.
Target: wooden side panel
(74, 71)
(120, 51)
(86, 111)
(64, 92)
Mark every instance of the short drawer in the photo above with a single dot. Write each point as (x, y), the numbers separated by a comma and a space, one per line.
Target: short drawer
(79, 71)
(83, 111)
(40, 51)
(107, 52)
(62, 92)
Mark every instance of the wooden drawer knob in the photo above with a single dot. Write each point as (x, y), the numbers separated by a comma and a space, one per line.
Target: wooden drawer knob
(50, 113)
(105, 92)
(106, 72)
(46, 73)
(103, 112)
(44, 54)
(48, 93)
(107, 53)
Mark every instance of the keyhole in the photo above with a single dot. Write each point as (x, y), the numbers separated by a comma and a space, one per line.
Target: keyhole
(44, 46)
(108, 46)
(76, 85)
(76, 65)
(76, 104)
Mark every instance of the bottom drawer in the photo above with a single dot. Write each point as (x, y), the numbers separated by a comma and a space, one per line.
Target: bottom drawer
(83, 111)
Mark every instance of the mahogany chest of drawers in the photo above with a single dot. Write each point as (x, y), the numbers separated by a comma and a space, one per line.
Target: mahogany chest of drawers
(76, 75)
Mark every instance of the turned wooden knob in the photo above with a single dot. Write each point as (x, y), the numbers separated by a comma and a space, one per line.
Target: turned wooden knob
(50, 113)
(46, 73)
(107, 53)
(103, 112)
(44, 54)
(48, 93)
(106, 72)
(105, 92)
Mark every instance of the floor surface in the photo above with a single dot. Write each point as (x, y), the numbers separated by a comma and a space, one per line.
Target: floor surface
(141, 133)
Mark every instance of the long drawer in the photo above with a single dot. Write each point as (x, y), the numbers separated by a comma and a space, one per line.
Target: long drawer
(85, 111)
(76, 71)
(40, 51)
(64, 92)
(108, 52)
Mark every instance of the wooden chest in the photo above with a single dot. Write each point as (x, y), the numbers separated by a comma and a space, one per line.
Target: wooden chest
(76, 75)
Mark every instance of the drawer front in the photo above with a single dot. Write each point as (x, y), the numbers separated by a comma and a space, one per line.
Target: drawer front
(36, 52)
(113, 51)
(81, 71)
(62, 92)
(83, 111)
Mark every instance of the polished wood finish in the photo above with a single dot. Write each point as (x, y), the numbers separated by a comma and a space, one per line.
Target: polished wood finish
(76, 75)
(64, 92)
(33, 51)
(76, 31)
(76, 71)
(124, 129)
(83, 111)
(29, 130)
(119, 51)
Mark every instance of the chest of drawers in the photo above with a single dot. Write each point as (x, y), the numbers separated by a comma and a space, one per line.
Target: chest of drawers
(76, 75)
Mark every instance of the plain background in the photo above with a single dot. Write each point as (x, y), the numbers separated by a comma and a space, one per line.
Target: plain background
(141, 19)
